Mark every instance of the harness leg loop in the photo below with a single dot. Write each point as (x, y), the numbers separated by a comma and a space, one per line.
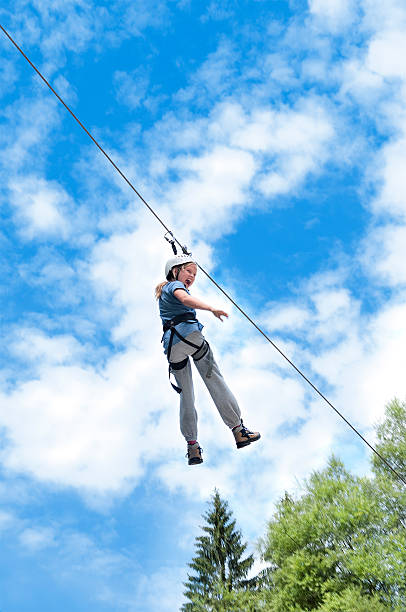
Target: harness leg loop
(205, 348)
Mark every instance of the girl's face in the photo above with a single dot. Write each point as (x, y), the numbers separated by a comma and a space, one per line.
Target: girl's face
(187, 274)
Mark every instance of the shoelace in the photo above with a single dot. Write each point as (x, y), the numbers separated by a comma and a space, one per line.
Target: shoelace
(245, 432)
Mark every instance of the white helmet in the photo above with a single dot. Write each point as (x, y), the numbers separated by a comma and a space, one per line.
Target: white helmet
(178, 260)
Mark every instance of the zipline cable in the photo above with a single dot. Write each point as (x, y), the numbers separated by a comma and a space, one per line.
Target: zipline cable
(388, 465)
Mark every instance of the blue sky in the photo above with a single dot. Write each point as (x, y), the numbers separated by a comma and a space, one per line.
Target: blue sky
(271, 137)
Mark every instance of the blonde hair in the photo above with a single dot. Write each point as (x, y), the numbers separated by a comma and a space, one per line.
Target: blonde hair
(172, 277)
(158, 289)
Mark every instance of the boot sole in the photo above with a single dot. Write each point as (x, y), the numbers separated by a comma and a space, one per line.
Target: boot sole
(247, 442)
(195, 461)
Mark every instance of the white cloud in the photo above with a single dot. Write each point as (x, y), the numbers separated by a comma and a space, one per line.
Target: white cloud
(41, 207)
(27, 139)
(385, 254)
(383, 248)
(8, 76)
(286, 317)
(77, 561)
(361, 83)
(372, 72)
(35, 346)
(378, 17)
(85, 425)
(219, 10)
(271, 150)
(132, 88)
(213, 78)
(35, 539)
(333, 14)
(385, 54)
(337, 308)
(75, 26)
(389, 166)
(124, 270)
(214, 184)
(302, 140)
(161, 590)
(365, 367)
(6, 520)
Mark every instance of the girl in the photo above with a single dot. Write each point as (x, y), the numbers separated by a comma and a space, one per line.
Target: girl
(183, 338)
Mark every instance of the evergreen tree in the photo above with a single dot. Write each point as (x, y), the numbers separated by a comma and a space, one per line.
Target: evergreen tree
(220, 570)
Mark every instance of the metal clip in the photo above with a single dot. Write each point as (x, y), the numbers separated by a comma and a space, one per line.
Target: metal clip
(171, 242)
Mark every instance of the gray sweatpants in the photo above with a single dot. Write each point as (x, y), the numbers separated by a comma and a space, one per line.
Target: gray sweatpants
(208, 369)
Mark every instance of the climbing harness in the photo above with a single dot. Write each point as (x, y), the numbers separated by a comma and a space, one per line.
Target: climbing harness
(173, 241)
(179, 365)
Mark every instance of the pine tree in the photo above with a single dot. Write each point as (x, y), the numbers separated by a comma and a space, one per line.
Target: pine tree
(218, 564)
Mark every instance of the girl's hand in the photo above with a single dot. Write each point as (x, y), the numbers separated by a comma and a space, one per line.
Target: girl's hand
(219, 314)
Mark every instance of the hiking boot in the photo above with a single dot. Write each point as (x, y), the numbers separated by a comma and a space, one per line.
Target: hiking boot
(194, 454)
(243, 436)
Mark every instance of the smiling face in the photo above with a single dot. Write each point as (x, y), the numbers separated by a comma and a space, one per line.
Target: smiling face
(187, 274)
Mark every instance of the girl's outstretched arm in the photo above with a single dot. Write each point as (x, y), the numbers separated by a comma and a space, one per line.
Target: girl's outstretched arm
(193, 302)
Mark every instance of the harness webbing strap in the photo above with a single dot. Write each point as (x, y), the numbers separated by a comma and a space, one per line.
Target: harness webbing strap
(182, 318)
(179, 365)
(205, 345)
(207, 349)
(171, 325)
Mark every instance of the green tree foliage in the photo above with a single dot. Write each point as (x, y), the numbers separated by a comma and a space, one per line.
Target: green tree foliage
(352, 600)
(220, 572)
(341, 546)
(391, 435)
(391, 444)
